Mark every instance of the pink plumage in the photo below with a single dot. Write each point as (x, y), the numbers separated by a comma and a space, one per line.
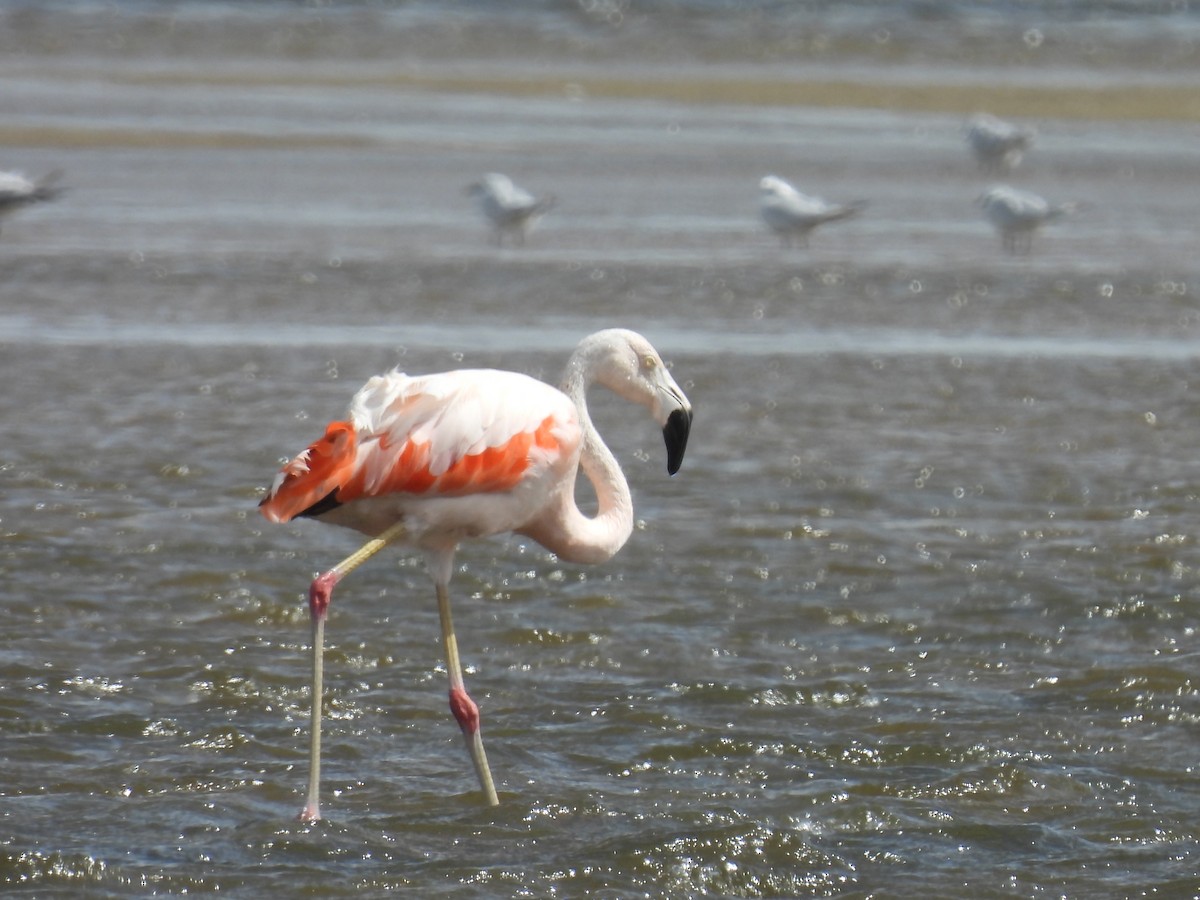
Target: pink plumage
(408, 441)
(433, 459)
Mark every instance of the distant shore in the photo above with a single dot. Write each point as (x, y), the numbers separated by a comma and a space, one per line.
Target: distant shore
(957, 60)
(1161, 101)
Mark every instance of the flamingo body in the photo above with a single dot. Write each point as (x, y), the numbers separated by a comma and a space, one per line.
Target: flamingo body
(793, 215)
(434, 459)
(457, 454)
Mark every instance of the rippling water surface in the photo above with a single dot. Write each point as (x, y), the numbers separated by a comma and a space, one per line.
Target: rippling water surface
(917, 617)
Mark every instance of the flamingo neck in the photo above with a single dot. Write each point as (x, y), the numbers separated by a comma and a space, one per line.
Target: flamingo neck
(573, 535)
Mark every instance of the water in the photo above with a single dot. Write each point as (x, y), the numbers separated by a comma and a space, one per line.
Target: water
(916, 618)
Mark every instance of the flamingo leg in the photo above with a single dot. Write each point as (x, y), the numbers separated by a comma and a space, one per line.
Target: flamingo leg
(319, 595)
(464, 708)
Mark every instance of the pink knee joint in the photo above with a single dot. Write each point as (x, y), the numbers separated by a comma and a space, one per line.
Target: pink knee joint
(320, 592)
(465, 711)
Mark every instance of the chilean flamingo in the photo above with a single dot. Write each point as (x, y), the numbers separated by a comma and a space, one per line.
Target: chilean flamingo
(508, 207)
(793, 215)
(433, 459)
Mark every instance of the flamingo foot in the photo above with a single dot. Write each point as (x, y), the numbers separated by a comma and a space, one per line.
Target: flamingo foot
(310, 814)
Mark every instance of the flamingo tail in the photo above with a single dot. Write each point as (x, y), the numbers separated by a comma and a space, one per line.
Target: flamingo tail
(309, 484)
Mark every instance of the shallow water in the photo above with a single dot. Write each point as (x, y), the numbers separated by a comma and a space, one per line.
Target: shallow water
(916, 618)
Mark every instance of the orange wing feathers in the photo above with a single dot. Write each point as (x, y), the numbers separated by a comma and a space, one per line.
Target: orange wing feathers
(409, 469)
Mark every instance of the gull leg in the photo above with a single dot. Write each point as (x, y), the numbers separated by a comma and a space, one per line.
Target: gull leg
(319, 595)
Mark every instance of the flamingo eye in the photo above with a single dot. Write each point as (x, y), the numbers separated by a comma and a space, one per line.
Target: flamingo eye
(649, 363)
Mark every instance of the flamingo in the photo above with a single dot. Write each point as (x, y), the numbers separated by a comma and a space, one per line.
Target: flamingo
(18, 191)
(998, 146)
(1017, 214)
(791, 214)
(434, 459)
(508, 207)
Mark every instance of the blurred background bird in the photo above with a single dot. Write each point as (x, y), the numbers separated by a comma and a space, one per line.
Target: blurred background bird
(508, 207)
(18, 191)
(998, 146)
(793, 215)
(1017, 214)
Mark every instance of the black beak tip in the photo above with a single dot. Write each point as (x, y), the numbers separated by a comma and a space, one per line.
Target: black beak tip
(675, 433)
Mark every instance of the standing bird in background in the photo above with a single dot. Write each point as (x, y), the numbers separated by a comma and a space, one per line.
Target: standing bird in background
(998, 146)
(18, 191)
(433, 459)
(510, 209)
(793, 215)
(1018, 214)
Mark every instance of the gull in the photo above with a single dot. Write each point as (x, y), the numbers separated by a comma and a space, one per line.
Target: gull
(792, 215)
(1018, 214)
(18, 190)
(508, 207)
(998, 145)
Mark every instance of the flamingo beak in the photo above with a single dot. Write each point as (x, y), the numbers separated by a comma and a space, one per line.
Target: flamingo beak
(675, 433)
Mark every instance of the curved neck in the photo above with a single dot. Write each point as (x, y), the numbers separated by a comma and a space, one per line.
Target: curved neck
(570, 533)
